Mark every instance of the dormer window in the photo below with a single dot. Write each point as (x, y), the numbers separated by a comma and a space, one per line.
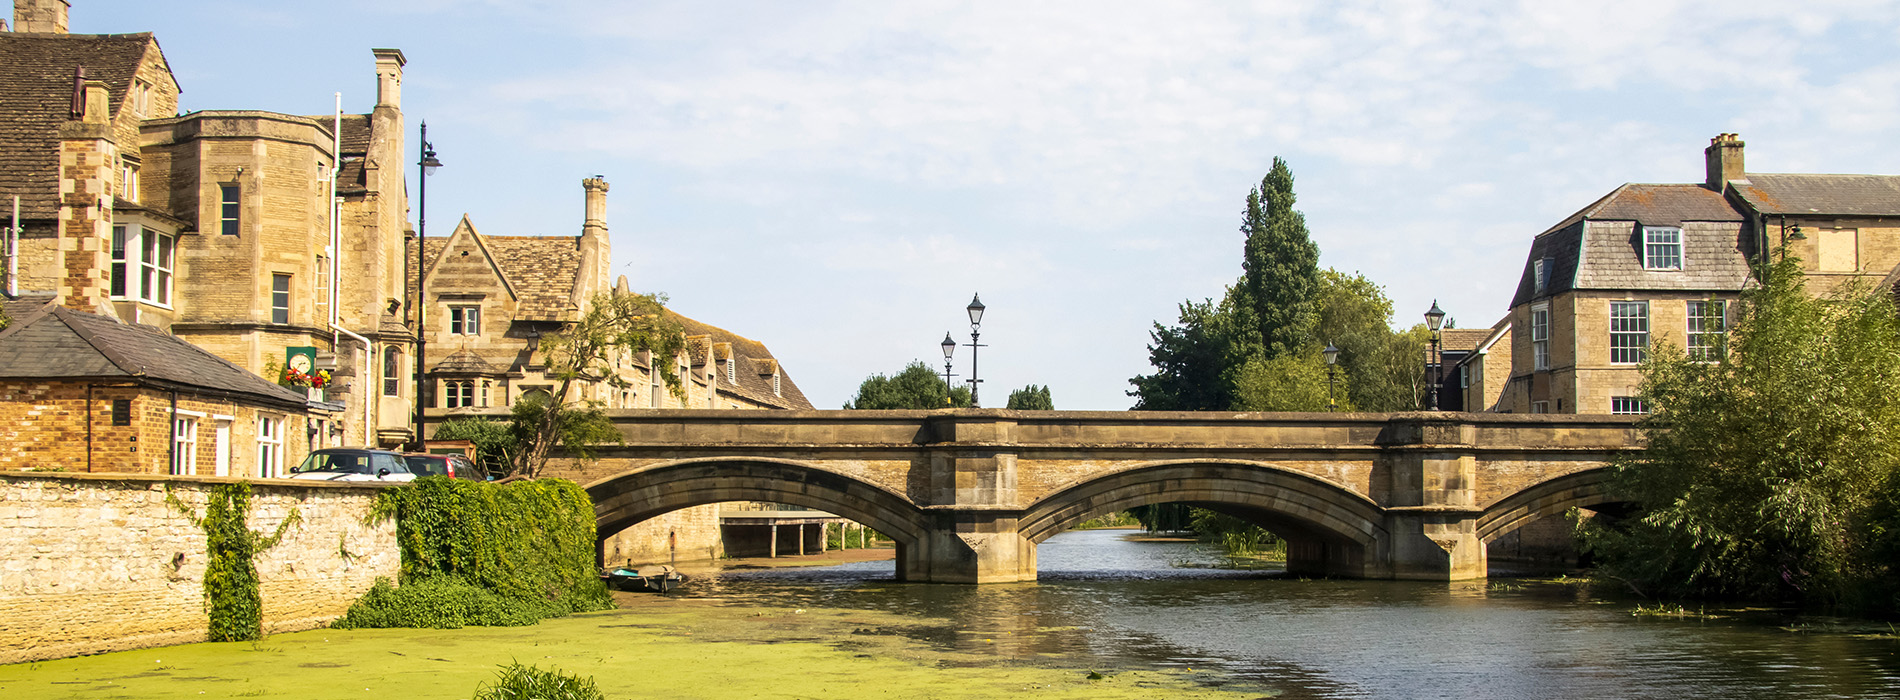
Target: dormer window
(732, 371)
(1662, 248)
(1540, 275)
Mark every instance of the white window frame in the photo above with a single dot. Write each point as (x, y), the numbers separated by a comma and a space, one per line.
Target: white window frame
(142, 263)
(465, 319)
(270, 446)
(1540, 275)
(1662, 247)
(1540, 336)
(128, 181)
(1705, 343)
(653, 391)
(1629, 332)
(1627, 406)
(185, 443)
(1540, 407)
(286, 292)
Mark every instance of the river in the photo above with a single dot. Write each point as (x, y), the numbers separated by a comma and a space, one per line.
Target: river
(1104, 600)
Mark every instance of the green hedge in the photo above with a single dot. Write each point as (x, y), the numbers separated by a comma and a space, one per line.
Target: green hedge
(476, 553)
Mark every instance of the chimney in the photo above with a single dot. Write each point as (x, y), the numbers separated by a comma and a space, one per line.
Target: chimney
(88, 156)
(389, 63)
(41, 16)
(596, 206)
(1724, 160)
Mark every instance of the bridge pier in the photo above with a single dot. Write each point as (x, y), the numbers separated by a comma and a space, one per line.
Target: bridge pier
(1431, 512)
(978, 546)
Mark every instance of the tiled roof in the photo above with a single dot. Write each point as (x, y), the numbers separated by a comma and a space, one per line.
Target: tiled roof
(1846, 195)
(1462, 339)
(463, 361)
(358, 131)
(753, 357)
(1600, 247)
(542, 270)
(36, 89)
(47, 341)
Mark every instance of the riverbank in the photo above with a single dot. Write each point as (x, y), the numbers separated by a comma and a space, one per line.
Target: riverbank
(652, 647)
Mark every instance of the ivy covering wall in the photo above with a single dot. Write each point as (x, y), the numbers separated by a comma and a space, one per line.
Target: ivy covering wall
(233, 601)
(485, 554)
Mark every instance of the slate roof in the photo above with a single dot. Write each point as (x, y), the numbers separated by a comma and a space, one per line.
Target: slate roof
(1600, 246)
(357, 134)
(753, 357)
(36, 89)
(1807, 195)
(542, 270)
(48, 341)
(1462, 339)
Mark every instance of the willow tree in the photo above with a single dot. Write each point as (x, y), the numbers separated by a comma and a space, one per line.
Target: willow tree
(1772, 472)
(593, 350)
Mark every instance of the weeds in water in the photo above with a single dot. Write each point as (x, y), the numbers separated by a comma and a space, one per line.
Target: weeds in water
(259, 646)
(1665, 610)
(518, 682)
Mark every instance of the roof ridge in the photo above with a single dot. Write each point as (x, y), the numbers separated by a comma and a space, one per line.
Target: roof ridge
(112, 355)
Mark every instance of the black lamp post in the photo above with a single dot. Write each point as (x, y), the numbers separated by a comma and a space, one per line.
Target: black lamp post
(428, 164)
(949, 348)
(1433, 319)
(1332, 358)
(976, 320)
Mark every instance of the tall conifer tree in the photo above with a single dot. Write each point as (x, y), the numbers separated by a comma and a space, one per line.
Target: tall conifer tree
(1276, 297)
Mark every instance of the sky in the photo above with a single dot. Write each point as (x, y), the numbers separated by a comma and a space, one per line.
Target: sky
(837, 179)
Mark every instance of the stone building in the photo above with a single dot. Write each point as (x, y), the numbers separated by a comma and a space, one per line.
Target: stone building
(1484, 371)
(85, 392)
(229, 228)
(1663, 263)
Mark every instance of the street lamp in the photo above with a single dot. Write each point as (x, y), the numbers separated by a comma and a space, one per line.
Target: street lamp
(1332, 358)
(428, 164)
(1433, 319)
(976, 320)
(949, 348)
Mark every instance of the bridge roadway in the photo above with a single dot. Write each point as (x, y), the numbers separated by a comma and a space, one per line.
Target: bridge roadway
(968, 493)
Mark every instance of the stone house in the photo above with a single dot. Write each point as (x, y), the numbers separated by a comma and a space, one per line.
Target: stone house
(1663, 263)
(232, 229)
(85, 392)
(1483, 372)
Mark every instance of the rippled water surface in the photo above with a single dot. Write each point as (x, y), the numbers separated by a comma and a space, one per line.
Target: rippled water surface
(1103, 600)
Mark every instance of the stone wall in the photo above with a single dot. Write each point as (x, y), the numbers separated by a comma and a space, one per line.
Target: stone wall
(690, 534)
(93, 563)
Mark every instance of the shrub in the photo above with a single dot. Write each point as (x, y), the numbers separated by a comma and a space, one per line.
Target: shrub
(441, 602)
(518, 682)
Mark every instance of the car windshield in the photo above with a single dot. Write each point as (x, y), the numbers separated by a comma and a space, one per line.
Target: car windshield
(350, 462)
(426, 464)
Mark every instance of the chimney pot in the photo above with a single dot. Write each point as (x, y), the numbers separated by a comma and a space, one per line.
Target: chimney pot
(596, 213)
(389, 63)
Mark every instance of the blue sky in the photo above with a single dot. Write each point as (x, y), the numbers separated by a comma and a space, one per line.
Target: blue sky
(836, 179)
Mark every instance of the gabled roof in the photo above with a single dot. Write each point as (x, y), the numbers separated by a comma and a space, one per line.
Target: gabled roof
(755, 368)
(36, 89)
(463, 361)
(1600, 246)
(48, 341)
(1809, 195)
(1461, 339)
(540, 270)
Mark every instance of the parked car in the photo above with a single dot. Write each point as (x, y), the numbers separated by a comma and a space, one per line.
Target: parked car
(451, 465)
(353, 464)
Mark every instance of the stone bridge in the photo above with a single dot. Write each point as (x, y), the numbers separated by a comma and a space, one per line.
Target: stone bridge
(967, 494)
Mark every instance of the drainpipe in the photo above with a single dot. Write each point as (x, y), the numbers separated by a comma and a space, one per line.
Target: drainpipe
(13, 251)
(368, 350)
(88, 419)
(171, 445)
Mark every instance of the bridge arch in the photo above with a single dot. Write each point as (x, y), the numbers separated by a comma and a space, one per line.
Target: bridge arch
(629, 497)
(1329, 528)
(1588, 488)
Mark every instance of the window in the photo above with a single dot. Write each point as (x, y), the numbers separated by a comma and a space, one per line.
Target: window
(228, 209)
(459, 393)
(392, 371)
(1540, 336)
(129, 181)
(732, 370)
(1707, 321)
(184, 445)
(280, 298)
(149, 252)
(1627, 405)
(775, 386)
(1629, 332)
(653, 391)
(1540, 407)
(465, 320)
(1540, 275)
(1464, 376)
(270, 446)
(1662, 248)
(141, 98)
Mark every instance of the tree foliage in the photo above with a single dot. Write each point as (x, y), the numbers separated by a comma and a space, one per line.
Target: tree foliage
(593, 349)
(1258, 348)
(1770, 473)
(496, 443)
(917, 387)
(1031, 398)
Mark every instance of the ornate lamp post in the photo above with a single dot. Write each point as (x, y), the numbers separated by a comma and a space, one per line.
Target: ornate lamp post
(1433, 319)
(1332, 359)
(976, 320)
(428, 164)
(949, 348)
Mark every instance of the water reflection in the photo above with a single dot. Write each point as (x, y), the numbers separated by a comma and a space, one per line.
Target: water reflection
(1104, 601)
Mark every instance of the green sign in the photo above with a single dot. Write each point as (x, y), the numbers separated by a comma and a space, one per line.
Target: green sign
(300, 360)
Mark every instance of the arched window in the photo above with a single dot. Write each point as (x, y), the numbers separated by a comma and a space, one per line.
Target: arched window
(392, 371)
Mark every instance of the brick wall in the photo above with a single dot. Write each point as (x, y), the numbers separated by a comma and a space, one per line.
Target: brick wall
(96, 563)
(53, 426)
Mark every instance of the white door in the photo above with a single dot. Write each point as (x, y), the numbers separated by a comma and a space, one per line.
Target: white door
(223, 447)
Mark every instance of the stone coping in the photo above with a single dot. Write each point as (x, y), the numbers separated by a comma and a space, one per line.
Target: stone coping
(174, 479)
